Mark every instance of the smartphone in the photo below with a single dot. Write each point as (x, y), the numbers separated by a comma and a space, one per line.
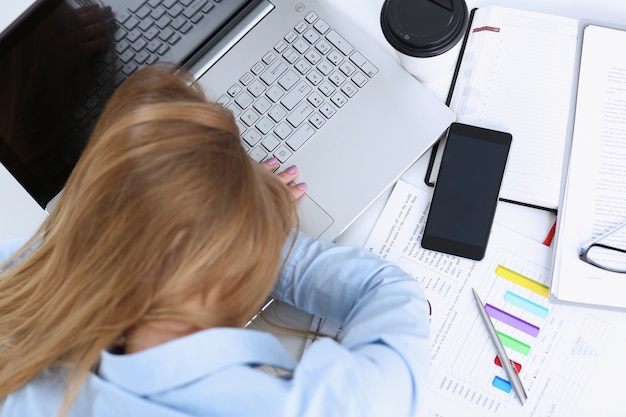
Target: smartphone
(466, 191)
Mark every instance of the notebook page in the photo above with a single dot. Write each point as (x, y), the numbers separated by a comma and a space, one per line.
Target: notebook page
(516, 76)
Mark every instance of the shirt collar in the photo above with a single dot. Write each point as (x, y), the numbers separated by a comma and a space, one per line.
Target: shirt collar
(192, 357)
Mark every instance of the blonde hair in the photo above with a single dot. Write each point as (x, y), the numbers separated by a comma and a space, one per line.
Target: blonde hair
(163, 205)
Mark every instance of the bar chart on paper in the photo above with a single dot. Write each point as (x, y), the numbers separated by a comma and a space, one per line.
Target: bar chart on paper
(563, 354)
(516, 299)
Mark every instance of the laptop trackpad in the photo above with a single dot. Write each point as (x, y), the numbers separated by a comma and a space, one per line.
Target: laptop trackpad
(313, 219)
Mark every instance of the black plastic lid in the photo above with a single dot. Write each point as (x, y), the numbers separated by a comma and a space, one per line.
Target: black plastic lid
(424, 28)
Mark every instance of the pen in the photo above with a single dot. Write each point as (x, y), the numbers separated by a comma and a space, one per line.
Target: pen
(506, 362)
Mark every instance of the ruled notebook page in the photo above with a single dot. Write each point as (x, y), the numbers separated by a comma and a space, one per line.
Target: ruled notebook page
(517, 76)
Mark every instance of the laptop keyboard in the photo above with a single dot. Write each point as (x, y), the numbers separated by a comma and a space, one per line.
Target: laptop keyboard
(295, 88)
(147, 31)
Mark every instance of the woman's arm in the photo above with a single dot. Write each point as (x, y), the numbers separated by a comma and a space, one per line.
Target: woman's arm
(380, 365)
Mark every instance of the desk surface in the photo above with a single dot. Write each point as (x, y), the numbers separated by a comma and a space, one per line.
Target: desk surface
(19, 215)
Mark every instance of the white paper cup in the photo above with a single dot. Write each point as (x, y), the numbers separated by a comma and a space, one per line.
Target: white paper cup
(426, 34)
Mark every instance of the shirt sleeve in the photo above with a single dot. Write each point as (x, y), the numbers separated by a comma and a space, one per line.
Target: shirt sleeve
(379, 367)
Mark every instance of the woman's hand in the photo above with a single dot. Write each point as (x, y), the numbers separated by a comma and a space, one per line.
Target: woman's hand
(288, 177)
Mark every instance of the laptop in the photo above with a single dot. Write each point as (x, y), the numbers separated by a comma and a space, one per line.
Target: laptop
(304, 85)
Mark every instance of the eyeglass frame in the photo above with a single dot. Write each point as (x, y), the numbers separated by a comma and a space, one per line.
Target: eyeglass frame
(584, 250)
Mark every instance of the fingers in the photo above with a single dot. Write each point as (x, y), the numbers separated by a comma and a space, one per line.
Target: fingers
(288, 177)
(97, 25)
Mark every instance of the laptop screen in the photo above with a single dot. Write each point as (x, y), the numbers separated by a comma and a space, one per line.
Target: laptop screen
(61, 61)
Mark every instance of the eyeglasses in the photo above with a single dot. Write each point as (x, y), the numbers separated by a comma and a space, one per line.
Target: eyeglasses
(604, 252)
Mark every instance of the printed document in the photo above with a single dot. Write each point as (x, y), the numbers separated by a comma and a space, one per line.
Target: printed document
(569, 357)
(594, 199)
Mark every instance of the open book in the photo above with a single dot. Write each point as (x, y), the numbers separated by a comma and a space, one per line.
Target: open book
(594, 199)
(516, 74)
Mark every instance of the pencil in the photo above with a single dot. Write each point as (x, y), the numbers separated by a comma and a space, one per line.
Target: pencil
(506, 362)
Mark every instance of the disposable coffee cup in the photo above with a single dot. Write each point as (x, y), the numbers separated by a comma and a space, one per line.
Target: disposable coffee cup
(427, 34)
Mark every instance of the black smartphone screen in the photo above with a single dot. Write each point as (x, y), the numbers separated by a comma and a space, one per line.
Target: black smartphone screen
(466, 192)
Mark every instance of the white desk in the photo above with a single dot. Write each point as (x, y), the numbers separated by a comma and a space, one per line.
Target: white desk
(19, 215)
(11, 10)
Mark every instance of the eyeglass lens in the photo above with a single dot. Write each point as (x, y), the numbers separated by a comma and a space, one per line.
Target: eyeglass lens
(607, 257)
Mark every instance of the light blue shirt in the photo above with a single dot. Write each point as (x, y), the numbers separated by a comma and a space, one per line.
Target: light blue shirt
(378, 368)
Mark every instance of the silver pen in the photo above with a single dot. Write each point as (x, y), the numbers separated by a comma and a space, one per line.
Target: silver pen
(506, 362)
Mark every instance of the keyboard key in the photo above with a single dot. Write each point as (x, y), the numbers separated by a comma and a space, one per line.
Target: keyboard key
(265, 125)
(252, 137)
(258, 154)
(323, 47)
(244, 100)
(335, 57)
(315, 99)
(174, 10)
(302, 66)
(288, 80)
(296, 95)
(336, 78)
(130, 23)
(291, 36)
(317, 120)
(347, 68)
(339, 42)
(277, 113)
(328, 110)
(301, 27)
(158, 13)
(313, 56)
(274, 93)
(262, 105)
(166, 34)
(349, 89)
(143, 12)
(282, 154)
(194, 8)
(249, 117)
(301, 45)
(321, 26)
(280, 47)
(291, 56)
(270, 142)
(164, 22)
(359, 79)
(311, 36)
(327, 88)
(362, 62)
(311, 17)
(268, 58)
(300, 136)
(257, 68)
(273, 72)
(246, 78)
(339, 99)
(325, 67)
(283, 130)
(314, 77)
(256, 88)
(300, 114)
(234, 90)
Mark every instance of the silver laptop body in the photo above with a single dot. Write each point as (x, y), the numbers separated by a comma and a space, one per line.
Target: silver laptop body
(389, 122)
(305, 86)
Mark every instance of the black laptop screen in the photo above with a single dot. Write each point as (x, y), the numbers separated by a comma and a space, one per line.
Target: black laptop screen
(60, 63)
